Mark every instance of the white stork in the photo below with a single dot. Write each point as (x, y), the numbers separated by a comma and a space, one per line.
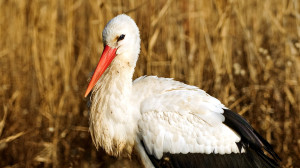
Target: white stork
(164, 122)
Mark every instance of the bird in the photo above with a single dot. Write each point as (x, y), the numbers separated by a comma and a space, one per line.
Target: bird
(164, 122)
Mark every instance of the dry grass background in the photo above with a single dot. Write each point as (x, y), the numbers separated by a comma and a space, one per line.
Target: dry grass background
(244, 52)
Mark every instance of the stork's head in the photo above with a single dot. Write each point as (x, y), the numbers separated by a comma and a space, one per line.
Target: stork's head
(121, 41)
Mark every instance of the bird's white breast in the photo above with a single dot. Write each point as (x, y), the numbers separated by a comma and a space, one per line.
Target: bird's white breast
(112, 124)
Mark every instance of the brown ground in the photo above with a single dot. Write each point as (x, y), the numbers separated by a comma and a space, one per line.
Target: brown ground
(244, 52)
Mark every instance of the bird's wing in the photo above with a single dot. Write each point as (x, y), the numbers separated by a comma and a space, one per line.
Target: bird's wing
(181, 121)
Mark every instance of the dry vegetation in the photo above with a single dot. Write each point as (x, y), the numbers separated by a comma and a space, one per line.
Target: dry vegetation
(244, 52)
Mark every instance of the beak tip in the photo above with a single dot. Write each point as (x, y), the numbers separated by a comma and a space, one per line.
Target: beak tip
(86, 94)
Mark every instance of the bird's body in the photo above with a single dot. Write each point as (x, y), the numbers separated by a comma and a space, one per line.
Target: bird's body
(165, 122)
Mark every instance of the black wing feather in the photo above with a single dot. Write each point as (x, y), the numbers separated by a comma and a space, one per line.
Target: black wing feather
(199, 160)
(247, 133)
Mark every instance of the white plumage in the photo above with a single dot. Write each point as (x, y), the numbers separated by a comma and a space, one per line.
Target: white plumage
(156, 116)
(181, 118)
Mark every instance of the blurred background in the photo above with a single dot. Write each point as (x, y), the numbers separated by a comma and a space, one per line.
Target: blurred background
(244, 52)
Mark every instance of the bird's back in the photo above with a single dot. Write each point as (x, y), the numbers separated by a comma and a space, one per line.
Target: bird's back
(183, 126)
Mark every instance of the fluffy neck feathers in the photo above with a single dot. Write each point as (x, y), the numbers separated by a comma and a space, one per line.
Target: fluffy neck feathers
(113, 121)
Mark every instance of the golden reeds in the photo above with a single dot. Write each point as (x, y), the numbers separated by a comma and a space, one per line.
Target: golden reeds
(246, 53)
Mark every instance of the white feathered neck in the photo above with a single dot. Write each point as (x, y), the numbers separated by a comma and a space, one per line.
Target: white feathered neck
(113, 119)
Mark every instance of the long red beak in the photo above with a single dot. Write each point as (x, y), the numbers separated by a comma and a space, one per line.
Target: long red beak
(107, 56)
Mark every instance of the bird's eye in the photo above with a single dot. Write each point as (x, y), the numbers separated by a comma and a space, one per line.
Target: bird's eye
(121, 37)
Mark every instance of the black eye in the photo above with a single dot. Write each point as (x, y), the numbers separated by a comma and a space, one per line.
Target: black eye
(121, 37)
